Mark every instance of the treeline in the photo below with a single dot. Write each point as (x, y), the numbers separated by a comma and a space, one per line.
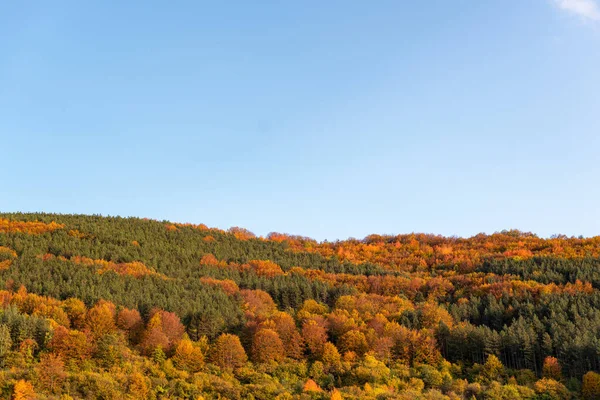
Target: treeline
(151, 309)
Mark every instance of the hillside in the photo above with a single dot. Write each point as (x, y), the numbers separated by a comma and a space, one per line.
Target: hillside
(103, 307)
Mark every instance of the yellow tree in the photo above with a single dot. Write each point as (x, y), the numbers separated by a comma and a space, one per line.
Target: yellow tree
(354, 341)
(336, 395)
(493, 368)
(332, 361)
(591, 386)
(187, 356)
(138, 388)
(227, 352)
(23, 390)
(554, 390)
(100, 319)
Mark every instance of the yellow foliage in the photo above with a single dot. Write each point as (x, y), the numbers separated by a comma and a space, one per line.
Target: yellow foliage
(311, 386)
(23, 390)
(336, 395)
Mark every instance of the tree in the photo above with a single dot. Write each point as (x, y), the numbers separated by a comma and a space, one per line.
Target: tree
(100, 319)
(171, 325)
(591, 386)
(158, 355)
(51, 372)
(311, 386)
(551, 369)
(493, 368)
(267, 346)
(154, 338)
(227, 352)
(23, 390)
(354, 341)
(265, 268)
(553, 389)
(70, 345)
(208, 323)
(187, 356)
(288, 333)
(332, 360)
(315, 337)
(131, 322)
(164, 329)
(138, 388)
(5, 340)
(258, 303)
(76, 310)
(109, 350)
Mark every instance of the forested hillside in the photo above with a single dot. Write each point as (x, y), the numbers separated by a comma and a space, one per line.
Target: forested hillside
(109, 308)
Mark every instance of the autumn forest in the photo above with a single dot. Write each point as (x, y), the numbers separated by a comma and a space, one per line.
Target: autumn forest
(109, 308)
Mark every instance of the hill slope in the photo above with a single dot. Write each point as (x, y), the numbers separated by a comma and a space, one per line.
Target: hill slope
(98, 307)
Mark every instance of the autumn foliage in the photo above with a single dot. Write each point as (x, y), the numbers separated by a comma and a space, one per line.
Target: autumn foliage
(228, 352)
(98, 307)
(30, 228)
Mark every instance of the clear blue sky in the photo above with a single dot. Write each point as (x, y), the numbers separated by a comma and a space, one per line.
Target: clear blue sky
(327, 119)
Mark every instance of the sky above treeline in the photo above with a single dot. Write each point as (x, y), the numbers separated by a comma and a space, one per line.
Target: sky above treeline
(326, 119)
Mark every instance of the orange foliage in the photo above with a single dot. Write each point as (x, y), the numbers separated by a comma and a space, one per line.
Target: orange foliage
(285, 326)
(265, 268)
(211, 260)
(228, 286)
(551, 369)
(7, 252)
(34, 304)
(412, 346)
(164, 329)
(23, 390)
(257, 303)
(267, 346)
(5, 264)
(100, 319)
(7, 255)
(31, 228)
(315, 336)
(591, 386)
(70, 345)
(241, 233)
(354, 341)
(432, 315)
(311, 386)
(413, 252)
(131, 322)
(51, 371)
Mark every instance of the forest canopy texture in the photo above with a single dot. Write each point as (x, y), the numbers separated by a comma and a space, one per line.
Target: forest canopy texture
(109, 308)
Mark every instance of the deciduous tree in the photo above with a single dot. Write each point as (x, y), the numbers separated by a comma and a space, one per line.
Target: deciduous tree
(227, 352)
(267, 346)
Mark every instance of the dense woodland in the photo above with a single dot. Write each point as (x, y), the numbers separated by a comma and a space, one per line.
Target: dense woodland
(108, 308)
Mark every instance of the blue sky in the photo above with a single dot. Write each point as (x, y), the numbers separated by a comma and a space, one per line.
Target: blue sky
(327, 119)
